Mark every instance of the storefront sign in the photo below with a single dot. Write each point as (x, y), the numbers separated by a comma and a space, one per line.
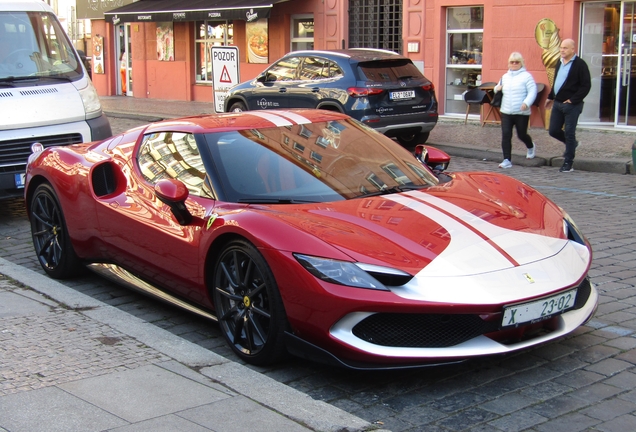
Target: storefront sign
(225, 71)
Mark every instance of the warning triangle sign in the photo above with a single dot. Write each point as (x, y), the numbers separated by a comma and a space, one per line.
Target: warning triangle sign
(225, 76)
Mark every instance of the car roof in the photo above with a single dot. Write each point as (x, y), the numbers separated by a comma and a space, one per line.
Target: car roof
(24, 5)
(244, 120)
(357, 54)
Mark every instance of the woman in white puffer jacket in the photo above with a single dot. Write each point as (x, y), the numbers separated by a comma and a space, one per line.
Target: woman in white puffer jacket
(519, 93)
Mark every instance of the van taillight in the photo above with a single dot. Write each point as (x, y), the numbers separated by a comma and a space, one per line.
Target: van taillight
(363, 91)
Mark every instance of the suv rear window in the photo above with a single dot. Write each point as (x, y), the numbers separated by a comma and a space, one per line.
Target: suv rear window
(389, 71)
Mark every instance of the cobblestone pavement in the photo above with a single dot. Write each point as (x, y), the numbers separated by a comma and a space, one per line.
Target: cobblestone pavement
(585, 381)
(87, 348)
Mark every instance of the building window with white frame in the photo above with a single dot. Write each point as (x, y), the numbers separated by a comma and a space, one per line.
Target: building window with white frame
(206, 35)
(464, 45)
(302, 32)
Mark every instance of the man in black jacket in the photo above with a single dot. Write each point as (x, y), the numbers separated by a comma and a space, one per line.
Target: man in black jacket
(571, 84)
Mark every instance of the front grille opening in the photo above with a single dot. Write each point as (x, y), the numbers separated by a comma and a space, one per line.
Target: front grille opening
(15, 152)
(447, 330)
(422, 330)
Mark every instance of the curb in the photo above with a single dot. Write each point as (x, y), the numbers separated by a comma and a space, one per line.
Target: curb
(291, 403)
(582, 164)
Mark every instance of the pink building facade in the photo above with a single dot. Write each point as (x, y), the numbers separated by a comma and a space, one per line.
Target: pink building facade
(458, 44)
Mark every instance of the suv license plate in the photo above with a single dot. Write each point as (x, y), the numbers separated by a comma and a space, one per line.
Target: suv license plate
(19, 181)
(538, 310)
(400, 95)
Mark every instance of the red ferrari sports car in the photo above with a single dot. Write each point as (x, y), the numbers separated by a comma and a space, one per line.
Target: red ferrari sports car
(307, 232)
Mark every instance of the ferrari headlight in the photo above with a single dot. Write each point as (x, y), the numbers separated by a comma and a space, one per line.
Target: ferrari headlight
(571, 231)
(339, 272)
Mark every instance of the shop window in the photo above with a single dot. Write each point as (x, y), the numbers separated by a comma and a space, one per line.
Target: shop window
(209, 34)
(302, 32)
(464, 44)
(376, 24)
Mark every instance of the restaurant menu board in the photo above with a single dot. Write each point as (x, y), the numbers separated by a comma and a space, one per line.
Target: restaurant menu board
(257, 41)
(165, 42)
(98, 54)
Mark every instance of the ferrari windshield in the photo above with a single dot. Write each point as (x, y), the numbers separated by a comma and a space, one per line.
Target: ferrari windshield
(33, 45)
(313, 162)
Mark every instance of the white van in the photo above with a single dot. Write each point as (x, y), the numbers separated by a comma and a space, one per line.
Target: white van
(46, 94)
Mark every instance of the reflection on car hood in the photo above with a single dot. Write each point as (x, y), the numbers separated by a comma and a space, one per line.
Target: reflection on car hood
(461, 228)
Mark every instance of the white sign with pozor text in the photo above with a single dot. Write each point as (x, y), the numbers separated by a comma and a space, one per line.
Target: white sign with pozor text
(225, 69)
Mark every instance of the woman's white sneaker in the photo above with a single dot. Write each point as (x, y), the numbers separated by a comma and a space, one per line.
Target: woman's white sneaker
(531, 151)
(505, 164)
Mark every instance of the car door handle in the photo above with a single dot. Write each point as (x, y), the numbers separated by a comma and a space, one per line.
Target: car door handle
(282, 90)
(315, 89)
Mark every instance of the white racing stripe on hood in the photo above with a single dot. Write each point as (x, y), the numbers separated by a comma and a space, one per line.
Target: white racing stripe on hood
(468, 252)
(295, 117)
(275, 119)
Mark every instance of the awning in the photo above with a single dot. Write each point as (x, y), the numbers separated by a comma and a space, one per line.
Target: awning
(192, 10)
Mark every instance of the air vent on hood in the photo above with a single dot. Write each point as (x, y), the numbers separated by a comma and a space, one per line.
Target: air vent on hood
(6, 94)
(38, 91)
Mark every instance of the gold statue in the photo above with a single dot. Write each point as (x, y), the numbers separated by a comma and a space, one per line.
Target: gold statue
(547, 36)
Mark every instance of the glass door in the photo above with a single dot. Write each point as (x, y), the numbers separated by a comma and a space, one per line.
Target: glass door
(123, 64)
(626, 88)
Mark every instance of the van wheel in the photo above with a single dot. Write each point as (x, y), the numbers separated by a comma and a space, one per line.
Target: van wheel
(238, 107)
(411, 140)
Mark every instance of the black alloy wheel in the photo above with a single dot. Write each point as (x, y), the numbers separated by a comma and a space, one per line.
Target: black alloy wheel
(248, 305)
(238, 107)
(50, 237)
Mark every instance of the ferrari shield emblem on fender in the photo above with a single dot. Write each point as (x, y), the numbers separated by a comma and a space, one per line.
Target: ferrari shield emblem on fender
(211, 220)
(528, 278)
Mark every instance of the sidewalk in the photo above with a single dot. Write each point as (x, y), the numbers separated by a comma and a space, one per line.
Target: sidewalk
(69, 362)
(600, 150)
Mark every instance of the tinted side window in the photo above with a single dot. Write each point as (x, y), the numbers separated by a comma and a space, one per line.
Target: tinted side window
(173, 155)
(389, 71)
(334, 70)
(285, 70)
(314, 68)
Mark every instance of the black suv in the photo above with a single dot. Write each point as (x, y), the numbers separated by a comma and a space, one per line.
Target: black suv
(382, 89)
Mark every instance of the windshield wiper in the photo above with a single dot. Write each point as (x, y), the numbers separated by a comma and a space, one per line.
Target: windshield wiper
(11, 79)
(55, 77)
(274, 201)
(392, 190)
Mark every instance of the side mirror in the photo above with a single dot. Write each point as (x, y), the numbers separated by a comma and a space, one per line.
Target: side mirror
(437, 160)
(173, 193)
(266, 77)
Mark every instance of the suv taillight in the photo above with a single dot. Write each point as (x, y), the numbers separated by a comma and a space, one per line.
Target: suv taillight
(363, 91)
(428, 87)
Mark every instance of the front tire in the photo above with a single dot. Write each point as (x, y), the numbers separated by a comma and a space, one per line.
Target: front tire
(238, 107)
(411, 140)
(248, 304)
(50, 236)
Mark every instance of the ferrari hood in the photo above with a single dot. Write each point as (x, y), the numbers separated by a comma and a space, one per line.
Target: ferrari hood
(472, 225)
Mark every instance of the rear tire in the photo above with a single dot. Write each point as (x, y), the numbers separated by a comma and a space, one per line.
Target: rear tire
(411, 140)
(248, 305)
(50, 236)
(238, 107)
